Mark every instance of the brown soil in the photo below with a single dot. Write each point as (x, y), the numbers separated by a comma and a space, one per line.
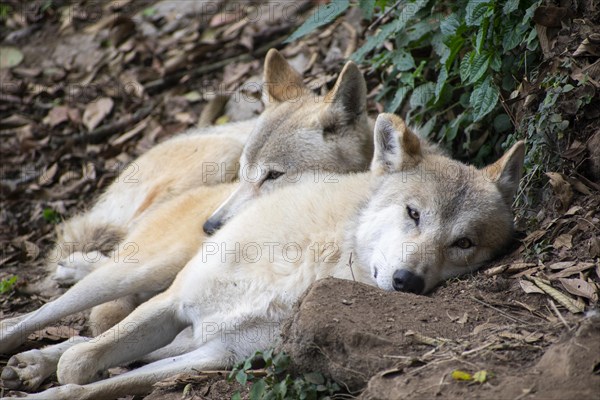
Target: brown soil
(480, 324)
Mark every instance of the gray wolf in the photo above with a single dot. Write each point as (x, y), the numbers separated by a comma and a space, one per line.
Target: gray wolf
(415, 219)
(298, 134)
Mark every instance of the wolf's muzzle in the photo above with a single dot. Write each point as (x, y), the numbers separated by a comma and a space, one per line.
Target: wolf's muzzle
(406, 281)
(211, 227)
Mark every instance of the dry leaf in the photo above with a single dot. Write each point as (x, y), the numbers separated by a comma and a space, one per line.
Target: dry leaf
(561, 265)
(564, 240)
(96, 111)
(47, 177)
(579, 287)
(529, 287)
(571, 270)
(57, 116)
(562, 188)
(571, 304)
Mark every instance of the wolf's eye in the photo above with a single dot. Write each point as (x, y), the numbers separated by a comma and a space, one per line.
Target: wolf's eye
(463, 243)
(414, 214)
(272, 175)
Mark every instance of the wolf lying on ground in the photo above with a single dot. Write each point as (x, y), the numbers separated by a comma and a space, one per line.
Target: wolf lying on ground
(298, 133)
(338, 140)
(416, 219)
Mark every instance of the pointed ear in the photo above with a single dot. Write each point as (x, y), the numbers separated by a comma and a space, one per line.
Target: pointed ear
(349, 92)
(281, 81)
(507, 171)
(396, 146)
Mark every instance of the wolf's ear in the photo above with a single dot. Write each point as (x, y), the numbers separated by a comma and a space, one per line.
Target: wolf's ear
(396, 146)
(349, 92)
(507, 171)
(281, 81)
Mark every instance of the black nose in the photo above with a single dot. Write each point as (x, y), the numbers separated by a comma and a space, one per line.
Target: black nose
(406, 281)
(211, 227)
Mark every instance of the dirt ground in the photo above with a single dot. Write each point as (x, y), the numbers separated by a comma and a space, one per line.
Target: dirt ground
(101, 82)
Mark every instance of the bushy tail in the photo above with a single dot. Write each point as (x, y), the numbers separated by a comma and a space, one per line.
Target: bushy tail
(80, 243)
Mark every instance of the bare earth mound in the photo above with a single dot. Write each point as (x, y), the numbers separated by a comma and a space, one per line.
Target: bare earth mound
(411, 344)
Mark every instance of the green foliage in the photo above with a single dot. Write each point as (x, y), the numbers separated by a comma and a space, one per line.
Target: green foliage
(277, 384)
(450, 64)
(322, 16)
(51, 216)
(7, 285)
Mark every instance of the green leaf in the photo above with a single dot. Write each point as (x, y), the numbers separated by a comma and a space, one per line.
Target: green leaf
(314, 378)
(322, 16)
(441, 82)
(258, 389)
(477, 67)
(422, 95)
(398, 99)
(236, 396)
(475, 11)
(51, 216)
(6, 285)
(502, 123)
(408, 12)
(455, 44)
(510, 6)
(483, 99)
(367, 7)
(465, 66)
(241, 377)
(450, 24)
(403, 60)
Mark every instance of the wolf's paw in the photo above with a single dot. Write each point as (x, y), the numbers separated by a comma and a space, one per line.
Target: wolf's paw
(76, 266)
(26, 371)
(78, 365)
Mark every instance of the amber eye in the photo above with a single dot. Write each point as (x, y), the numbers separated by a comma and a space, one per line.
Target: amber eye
(463, 243)
(272, 175)
(414, 214)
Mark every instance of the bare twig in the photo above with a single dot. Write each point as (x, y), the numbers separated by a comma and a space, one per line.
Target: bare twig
(385, 14)
(350, 266)
(156, 85)
(500, 311)
(558, 314)
(105, 131)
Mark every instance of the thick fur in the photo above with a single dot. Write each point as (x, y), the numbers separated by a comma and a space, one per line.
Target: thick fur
(210, 155)
(161, 241)
(243, 282)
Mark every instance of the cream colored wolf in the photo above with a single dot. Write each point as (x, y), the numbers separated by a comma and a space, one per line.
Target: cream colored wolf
(418, 218)
(298, 134)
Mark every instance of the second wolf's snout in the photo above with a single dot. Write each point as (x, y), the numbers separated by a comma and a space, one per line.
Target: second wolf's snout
(211, 226)
(404, 280)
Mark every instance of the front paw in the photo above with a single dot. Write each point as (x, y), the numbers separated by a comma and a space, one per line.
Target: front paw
(79, 366)
(26, 371)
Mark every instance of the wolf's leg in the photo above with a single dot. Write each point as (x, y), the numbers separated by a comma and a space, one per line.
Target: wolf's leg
(106, 283)
(109, 314)
(151, 326)
(183, 343)
(27, 370)
(210, 356)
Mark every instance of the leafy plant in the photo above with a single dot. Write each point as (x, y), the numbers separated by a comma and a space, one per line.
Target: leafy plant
(449, 65)
(7, 285)
(275, 383)
(51, 216)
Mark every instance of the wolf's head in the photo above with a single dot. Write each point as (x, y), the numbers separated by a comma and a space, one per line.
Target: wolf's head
(300, 133)
(431, 218)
